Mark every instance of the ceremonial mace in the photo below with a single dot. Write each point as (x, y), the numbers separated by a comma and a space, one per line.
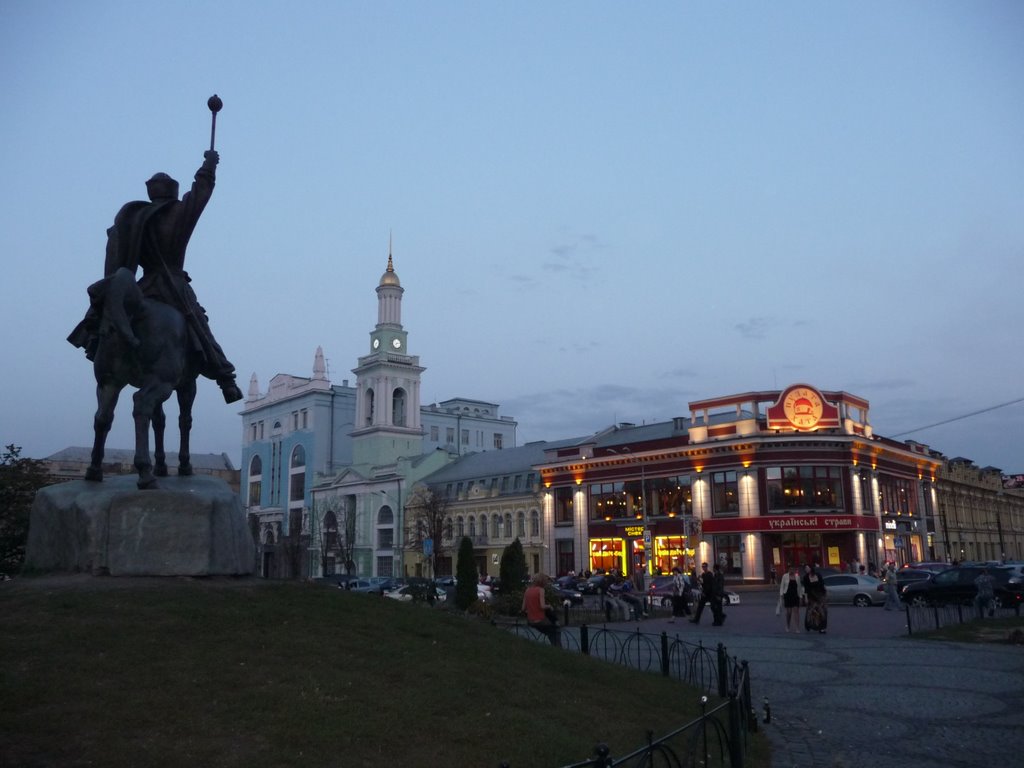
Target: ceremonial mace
(215, 105)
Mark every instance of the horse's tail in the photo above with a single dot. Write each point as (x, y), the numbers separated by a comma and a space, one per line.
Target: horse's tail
(122, 299)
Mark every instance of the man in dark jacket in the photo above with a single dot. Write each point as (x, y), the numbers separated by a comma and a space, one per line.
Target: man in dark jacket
(717, 595)
(707, 591)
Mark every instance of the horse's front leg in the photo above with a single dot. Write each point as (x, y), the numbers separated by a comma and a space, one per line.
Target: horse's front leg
(159, 456)
(186, 398)
(106, 402)
(146, 400)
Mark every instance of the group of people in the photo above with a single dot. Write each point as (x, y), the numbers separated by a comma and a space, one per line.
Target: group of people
(624, 599)
(796, 590)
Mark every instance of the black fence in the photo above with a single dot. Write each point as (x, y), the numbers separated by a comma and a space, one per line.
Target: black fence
(925, 618)
(719, 737)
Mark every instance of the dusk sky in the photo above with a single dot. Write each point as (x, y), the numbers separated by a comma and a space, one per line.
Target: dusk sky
(600, 211)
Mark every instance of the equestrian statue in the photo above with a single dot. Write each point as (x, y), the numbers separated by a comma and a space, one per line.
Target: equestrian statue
(152, 333)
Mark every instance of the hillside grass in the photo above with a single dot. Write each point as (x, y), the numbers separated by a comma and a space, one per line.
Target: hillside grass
(173, 672)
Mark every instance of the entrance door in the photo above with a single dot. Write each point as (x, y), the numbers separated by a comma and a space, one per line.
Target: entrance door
(799, 554)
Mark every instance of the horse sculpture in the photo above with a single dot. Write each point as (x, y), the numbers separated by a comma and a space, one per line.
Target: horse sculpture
(145, 343)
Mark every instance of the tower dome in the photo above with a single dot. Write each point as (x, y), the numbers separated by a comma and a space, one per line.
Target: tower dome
(390, 277)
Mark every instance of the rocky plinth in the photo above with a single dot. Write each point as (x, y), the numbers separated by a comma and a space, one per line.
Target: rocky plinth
(189, 526)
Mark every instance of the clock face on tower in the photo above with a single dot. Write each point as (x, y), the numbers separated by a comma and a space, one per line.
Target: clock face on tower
(376, 343)
(396, 343)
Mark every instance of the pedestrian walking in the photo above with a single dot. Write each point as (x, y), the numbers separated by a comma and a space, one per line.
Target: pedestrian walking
(986, 591)
(816, 617)
(892, 592)
(707, 589)
(679, 589)
(717, 596)
(791, 594)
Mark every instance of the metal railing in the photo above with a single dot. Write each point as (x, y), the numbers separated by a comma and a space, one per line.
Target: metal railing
(926, 618)
(719, 737)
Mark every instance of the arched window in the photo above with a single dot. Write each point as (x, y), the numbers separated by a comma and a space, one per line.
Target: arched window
(460, 527)
(255, 481)
(385, 528)
(369, 406)
(495, 526)
(508, 525)
(521, 525)
(297, 476)
(472, 527)
(398, 407)
(534, 522)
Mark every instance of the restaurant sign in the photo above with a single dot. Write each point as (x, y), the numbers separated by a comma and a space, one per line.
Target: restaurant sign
(802, 407)
(781, 523)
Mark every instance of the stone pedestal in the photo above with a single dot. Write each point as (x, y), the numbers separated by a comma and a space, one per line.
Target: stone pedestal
(189, 526)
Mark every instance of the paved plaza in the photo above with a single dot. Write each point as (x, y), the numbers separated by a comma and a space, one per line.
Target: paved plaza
(866, 694)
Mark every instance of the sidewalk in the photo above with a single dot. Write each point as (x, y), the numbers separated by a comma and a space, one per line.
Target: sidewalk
(851, 702)
(867, 693)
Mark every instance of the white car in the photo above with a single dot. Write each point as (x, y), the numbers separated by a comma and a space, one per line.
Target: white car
(852, 589)
(408, 593)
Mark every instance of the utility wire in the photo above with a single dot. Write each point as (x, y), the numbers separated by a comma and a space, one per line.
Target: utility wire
(958, 418)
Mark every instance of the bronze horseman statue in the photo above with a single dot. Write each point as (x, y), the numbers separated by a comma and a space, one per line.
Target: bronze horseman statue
(153, 334)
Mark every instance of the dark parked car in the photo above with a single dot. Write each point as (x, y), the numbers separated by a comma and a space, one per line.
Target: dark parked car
(906, 576)
(660, 592)
(956, 585)
(570, 593)
(596, 584)
(575, 583)
(934, 567)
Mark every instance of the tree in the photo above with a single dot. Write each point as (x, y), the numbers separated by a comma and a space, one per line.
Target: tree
(512, 570)
(19, 480)
(293, 546)
(336, 535)
(429, 520)
(465, 575)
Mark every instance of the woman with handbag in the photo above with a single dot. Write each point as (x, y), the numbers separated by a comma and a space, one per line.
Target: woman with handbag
(791, 594)
(816, 617)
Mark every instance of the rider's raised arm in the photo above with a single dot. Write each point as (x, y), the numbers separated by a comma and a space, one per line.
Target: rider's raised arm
(195, 200)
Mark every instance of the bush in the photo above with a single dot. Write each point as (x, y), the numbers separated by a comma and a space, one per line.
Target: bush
(508, 603)
(512, 571)
(465, 575)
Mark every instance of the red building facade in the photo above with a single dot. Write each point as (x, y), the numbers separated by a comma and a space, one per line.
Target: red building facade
(751, 481)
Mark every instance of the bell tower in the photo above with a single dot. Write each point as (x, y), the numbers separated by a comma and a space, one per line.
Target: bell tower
(387, 384)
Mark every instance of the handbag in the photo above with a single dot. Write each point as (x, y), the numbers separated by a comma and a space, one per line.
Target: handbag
(778, 606)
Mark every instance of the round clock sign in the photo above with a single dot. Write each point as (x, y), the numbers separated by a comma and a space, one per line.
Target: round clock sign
(803, 407)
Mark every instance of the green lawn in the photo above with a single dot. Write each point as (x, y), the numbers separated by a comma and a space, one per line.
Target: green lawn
(999, 630)
(181, 672)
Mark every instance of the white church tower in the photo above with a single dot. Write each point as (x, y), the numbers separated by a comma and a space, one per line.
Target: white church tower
(387, 423)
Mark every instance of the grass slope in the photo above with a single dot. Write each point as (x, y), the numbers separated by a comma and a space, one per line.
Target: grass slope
(190, 672)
